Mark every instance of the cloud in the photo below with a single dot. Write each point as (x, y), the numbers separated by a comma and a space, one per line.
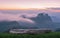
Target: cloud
(54, 9)
(16, 14)
(7, 16)
(12, 17)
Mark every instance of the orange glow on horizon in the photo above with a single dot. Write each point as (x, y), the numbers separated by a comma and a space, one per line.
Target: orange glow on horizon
(20, 8)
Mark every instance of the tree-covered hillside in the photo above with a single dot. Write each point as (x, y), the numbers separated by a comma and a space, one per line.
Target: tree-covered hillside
(48, 35)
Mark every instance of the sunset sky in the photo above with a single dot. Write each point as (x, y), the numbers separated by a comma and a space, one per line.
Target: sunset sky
(24, 4)
(40, 5)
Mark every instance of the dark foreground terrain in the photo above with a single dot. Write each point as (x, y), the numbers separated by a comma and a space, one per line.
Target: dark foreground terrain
(48, 35)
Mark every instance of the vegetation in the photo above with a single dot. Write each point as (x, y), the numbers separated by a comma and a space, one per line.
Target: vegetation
(48, 35)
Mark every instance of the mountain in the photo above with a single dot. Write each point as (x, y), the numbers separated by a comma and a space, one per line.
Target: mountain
(40, 21)
(6, 25)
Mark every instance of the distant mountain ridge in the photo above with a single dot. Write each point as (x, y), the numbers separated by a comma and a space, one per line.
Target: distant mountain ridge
(41, 21)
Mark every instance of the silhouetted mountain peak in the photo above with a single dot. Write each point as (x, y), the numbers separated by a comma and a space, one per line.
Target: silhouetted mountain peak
(42, 18)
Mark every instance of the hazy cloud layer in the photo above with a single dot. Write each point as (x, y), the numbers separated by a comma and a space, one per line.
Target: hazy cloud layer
(17, 14)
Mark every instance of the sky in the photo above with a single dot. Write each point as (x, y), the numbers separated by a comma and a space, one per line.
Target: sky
(25, 4)
(52, 5)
